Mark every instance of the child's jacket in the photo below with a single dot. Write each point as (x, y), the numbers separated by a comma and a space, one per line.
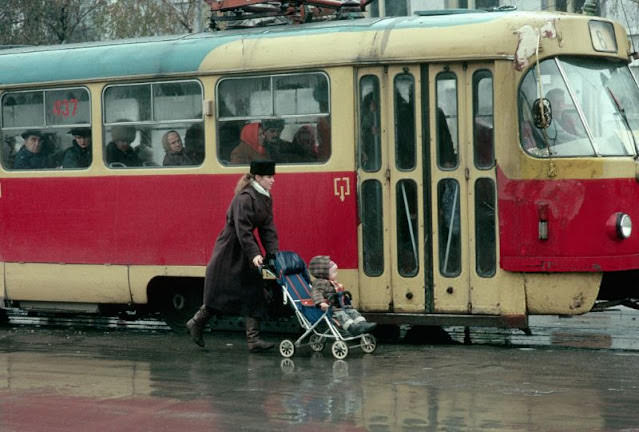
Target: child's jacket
(322, 287)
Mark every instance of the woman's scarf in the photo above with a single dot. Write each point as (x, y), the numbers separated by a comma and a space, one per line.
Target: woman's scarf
(258, 187)
(250, 135)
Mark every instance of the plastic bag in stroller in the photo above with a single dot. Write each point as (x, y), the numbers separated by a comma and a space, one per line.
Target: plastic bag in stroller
(319, 326)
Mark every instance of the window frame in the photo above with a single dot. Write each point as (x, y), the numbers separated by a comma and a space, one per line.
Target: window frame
(221, 121)
(152, 123)
(45, 127)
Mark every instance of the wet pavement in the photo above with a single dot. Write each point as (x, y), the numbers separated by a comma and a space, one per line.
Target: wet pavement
(572, 374)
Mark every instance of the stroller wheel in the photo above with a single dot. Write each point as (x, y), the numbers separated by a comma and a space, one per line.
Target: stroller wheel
(368, 343)
(287, 348)
(316, 342)
(339, 349)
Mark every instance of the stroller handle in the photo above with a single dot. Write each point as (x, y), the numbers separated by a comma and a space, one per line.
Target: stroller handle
(267, 273)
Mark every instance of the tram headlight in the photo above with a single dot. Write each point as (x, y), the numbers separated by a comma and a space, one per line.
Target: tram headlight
(624, 225)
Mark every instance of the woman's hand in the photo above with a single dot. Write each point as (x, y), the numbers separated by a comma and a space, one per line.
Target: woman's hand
(324, 306)
(258, 260)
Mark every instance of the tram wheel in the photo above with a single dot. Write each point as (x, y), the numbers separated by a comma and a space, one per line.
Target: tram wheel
(177, 299)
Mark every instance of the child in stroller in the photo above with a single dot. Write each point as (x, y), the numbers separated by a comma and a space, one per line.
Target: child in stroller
(317, 321)
(328, 292)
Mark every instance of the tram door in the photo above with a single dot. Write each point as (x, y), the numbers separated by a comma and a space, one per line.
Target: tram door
(390, 182)
(427, 191)
(463, 188)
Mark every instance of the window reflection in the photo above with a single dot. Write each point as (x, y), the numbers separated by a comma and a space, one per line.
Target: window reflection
(372, 228)
(153, 125)
(601, 99)
(407, 235)
(285, 118)
(446, 121)
(485, 247)
(404, 122)
(46, 129)
(449, 227)
(483, 120)
(370, 156)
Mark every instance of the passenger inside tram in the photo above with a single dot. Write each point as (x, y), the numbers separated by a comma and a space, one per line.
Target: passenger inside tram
(251, 146)
(304, 147)
(174, 150)
(119, 152)
(79, 155)
(275, 145)
(34, 153)
(194, 143)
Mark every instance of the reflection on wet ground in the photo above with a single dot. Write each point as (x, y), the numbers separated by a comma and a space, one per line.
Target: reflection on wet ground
(68, 379)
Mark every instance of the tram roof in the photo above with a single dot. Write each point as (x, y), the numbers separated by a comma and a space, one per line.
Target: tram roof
(351, 41)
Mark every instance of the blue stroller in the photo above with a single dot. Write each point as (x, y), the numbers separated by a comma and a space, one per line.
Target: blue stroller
(319, 326)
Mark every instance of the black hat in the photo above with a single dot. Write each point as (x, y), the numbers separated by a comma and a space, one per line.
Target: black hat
(80, 131)
(263, 167)
(26, 134)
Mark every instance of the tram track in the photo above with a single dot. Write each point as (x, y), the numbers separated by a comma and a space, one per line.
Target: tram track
(98, 322)
(616, 328)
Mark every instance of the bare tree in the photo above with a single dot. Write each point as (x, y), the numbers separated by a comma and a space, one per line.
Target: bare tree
(187, 12)
(35, 22)
(135, 18)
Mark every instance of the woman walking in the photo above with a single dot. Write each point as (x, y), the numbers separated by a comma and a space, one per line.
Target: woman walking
(233, 283)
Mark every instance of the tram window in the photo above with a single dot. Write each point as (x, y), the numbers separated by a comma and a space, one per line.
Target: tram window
(370, 156)
(447, 137)
(39, 129)
(177, 101)
(404, 122)
(153, 125)
(609, 100)
(485, 249)
(449, 227)
(407, 235)
(127, 101)
(483, 120)
(566, 134)
(245, 97)
(372, 227)
(291, 111)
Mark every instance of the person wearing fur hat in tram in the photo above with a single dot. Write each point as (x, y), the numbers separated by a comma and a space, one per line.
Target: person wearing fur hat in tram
(119, 150)
(251, 146)
(233, 282)
(325, 293)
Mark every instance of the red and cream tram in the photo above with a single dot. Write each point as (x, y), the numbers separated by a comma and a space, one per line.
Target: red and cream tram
(460, 168)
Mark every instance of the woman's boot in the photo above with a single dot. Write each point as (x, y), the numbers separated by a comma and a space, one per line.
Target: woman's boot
(197, 323)
(255, 344)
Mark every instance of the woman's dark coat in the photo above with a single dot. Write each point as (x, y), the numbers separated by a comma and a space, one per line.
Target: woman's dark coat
(233, 285)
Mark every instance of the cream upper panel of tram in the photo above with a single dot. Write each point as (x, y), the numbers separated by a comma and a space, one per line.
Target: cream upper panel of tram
(431, 39)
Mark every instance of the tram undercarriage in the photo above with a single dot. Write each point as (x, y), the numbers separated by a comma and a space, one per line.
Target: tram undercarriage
(618, 288)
